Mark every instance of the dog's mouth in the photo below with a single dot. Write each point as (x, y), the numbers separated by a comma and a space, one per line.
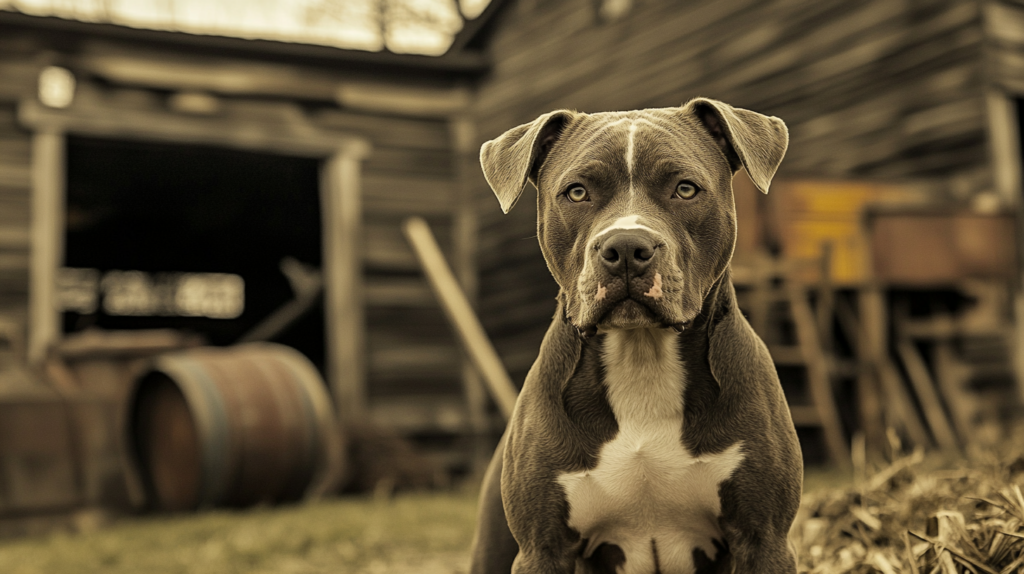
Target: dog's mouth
(629, 312)
(606, 301)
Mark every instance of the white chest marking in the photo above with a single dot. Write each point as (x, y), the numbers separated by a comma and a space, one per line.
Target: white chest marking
(647, 486)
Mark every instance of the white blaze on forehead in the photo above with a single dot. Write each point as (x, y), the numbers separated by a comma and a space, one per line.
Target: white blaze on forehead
(600, 130)
(627, 222)
(630, 152)
(631, 147)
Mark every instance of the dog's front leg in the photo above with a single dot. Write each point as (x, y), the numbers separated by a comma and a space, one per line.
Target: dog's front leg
(541, 564)
(758, 508)
(764, 557)
(536, 511)
(536, 507)
(759, 547)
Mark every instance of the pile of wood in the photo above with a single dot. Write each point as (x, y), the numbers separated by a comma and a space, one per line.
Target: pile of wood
(908, 518)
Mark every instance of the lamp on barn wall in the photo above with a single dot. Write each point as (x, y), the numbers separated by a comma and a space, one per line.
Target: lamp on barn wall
(56, 87)
(613, 10)
(197, 103)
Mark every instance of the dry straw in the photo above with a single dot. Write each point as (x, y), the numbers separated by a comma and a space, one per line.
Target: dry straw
(912, 518)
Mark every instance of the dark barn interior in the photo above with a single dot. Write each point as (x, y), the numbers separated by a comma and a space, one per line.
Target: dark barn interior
(165, 208)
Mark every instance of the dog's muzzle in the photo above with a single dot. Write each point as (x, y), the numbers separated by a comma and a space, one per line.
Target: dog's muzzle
(628, 265)
(628, 254)
(629, 259)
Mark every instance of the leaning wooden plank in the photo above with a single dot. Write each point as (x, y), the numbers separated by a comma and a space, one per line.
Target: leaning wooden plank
(951, 376)
(925, 388)
(899, 402)
(282, 318)
(818, 376)
(460, 313)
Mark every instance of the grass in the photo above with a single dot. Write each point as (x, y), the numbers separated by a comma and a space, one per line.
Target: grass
(413, 533)
(421, 533)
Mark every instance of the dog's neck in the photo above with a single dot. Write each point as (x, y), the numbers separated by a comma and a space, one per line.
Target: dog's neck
(644, 375)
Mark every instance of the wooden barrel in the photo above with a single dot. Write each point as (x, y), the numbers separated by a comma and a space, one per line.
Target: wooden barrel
(232, 427)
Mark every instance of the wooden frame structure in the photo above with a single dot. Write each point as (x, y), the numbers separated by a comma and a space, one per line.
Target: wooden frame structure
(340, 201)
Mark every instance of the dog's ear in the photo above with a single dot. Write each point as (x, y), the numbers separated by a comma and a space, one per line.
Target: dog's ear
(749, 139)
(515, 157)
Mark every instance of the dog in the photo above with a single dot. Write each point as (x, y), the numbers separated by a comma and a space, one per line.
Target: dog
(651, 436)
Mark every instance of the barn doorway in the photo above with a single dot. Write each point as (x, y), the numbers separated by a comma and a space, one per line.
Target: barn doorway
(155, 216)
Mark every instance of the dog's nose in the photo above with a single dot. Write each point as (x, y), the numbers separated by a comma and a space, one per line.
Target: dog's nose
(628, 252)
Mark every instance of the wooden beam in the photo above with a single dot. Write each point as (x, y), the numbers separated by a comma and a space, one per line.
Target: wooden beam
(341, 214)
(221, 76)
(239, 78)
(47, 241)
(290, 134)
(410, 100)
(460, 313)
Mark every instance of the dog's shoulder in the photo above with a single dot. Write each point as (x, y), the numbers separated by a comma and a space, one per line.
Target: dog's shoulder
(735, 351)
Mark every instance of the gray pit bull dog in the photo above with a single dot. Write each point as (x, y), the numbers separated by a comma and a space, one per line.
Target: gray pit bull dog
(651, 435)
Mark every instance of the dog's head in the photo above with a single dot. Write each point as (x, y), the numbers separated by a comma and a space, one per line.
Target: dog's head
(636, 217)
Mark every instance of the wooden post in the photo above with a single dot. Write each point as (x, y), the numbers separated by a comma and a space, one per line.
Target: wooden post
(870, 347)
(47, 236)
(341, 214)
(826, 298)
(1004, 146)
(463, 134)
(1018, 319)
(1005, 156)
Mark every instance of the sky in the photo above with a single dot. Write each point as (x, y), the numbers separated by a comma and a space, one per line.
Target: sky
(414, 26)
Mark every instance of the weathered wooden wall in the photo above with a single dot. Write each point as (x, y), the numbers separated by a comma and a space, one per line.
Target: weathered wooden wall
(887, 89)
(17, 77)
(412, 357)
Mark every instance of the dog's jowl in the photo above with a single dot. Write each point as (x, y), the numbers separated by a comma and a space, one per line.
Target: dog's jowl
(651, 435)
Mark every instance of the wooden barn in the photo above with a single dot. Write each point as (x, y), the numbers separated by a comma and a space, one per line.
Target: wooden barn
(160, 190)
(905, 112)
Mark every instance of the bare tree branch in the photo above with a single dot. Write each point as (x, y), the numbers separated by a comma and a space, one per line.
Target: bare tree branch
(388, 16)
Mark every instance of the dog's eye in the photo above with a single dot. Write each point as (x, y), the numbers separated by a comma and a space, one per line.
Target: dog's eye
(577, 193)
(686, 190)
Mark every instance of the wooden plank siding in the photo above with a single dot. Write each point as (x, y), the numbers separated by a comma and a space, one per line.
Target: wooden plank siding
(15, 214)
(871, 89)
(410, 171)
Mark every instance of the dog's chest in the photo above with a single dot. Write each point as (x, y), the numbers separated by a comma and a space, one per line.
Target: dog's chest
(648, 494)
